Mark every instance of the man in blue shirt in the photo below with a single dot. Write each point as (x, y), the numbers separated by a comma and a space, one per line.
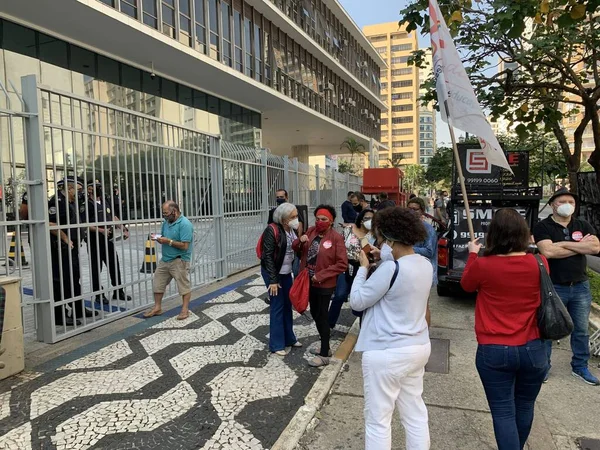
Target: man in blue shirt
(176, 237)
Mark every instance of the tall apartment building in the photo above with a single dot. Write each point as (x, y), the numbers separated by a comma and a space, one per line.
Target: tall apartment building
(427, 118)
(400, 90)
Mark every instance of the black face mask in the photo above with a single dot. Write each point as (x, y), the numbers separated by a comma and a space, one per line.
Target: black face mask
(357, 208)
(280, 201)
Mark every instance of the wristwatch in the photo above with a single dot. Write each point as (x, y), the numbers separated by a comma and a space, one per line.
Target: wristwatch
(170, 242)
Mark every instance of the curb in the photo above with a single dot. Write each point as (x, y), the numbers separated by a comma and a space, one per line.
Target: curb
(595, 316)
(291, 435)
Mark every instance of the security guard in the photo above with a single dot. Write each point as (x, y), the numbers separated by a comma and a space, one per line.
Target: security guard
(100, 242)
(64, 208)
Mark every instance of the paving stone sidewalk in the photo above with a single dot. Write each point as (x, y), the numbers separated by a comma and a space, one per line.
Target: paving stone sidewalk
(208, 382)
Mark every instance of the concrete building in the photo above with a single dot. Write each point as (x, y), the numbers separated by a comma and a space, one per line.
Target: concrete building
(400, 90)
(427, 119)
(297, 77)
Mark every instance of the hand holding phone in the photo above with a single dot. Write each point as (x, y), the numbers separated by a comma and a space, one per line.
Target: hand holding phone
(155, 236)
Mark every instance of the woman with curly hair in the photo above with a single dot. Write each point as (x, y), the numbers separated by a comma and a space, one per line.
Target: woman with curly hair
(394, 336)
(324, 256)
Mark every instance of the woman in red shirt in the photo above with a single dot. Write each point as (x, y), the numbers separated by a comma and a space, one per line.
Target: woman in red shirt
(511, 358)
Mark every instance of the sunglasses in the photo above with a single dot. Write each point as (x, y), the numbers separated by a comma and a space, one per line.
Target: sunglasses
(567, 234)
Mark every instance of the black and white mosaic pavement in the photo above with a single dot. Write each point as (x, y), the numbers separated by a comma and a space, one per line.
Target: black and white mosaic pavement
(208, 382)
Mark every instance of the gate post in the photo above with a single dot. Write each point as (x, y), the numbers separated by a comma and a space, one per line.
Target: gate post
(318, 182)
(38, 210)
(264, 178)
(216, 174)
(298, 197)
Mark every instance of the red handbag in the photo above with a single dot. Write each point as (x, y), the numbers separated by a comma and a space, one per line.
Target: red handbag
(299, 292)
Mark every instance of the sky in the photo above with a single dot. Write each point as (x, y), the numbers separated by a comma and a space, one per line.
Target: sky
(369, 12)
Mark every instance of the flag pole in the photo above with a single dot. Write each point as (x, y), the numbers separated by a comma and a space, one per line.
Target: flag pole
(461, 178)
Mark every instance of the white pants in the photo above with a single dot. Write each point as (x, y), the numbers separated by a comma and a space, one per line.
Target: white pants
(394, 377)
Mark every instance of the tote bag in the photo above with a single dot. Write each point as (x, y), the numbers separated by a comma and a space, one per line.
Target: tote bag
(299, 292)
(553, 318)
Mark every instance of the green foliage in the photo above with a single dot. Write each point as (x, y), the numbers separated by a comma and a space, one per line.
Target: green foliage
(414, 177)
(594, 285)
(551, 51)
(440, 167)
(353, 147)
(346, 167)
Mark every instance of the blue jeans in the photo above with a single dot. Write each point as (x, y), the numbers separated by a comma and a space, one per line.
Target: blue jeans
(512, 377)
(578, 300)
(342, 291)
(281, 323)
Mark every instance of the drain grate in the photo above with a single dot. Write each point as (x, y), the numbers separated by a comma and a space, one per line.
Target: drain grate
(439, 361)
(588, 444)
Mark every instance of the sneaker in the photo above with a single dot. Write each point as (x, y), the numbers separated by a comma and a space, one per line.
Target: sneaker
(585, 375)
(281, 353)
(297, 344)
(546, 377)
(318, 361)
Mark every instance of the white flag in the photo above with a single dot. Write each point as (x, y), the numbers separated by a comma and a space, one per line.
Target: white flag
(454, 87)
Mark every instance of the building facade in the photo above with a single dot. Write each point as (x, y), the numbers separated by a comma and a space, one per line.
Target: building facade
(427, 116)
(400, 91)
(297, 77)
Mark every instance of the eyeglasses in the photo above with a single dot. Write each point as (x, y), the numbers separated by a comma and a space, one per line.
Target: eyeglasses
(567, 234)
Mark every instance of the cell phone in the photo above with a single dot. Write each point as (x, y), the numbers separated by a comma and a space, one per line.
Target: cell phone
(156, 236)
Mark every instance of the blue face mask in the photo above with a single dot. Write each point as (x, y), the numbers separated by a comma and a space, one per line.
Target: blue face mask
(386, 253)
(280, 201)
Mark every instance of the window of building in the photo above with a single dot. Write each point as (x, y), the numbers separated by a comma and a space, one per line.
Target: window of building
(408, 119)
(402, 131)
(168, 18)
(150, 13)
(403, 156)
(129, 7)
(402, 96)
(399, 60)
(399, 108)
(408, 143)
(109, 2)
(377, 38)
(381, 49)
(258, 63)
(226, 24)
(237, 36)
(200, 20)
(248, 46)
(213, 18)
(185, 22)
(401, 47)
(399, 36)
(400, 72)
(401, 84)
(384, 86)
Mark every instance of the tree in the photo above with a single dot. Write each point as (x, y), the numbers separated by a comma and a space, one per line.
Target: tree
(551, 56)
(440, 167)
(346, 167)
(353, 147)
(414, 176)
(395, 160)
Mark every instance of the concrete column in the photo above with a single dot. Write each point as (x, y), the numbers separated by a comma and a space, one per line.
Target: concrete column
(300, 152)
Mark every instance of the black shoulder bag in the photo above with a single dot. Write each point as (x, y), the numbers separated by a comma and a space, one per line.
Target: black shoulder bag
(396, 270)
(553, 318)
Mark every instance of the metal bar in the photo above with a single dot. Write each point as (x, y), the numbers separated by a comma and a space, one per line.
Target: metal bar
(36, 163)
(217, 206)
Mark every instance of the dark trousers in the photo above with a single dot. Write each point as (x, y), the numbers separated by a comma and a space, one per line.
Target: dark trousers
(342, 291)
(318, 299)
(70, 274)
(512, 377)
(281, 320)
(103, 251)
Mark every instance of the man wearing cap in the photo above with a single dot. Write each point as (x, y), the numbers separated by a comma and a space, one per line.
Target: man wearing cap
(100, 242)
(565, 240)
(64, 209)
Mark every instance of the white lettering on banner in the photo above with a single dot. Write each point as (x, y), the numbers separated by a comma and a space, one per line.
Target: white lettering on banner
(454, 87)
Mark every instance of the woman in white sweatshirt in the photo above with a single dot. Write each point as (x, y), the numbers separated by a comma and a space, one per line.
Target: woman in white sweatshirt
(394, 337)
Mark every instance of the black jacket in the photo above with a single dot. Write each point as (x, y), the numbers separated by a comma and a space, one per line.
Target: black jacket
(268, 262)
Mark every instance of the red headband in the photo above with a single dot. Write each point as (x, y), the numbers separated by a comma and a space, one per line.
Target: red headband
(324, 212)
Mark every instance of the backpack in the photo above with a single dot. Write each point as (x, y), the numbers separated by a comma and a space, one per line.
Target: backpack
(259, 251)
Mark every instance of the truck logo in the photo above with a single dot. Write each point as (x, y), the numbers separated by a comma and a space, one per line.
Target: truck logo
(477, 162)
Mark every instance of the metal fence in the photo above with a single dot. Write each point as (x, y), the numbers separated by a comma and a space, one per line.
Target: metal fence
(83, 252)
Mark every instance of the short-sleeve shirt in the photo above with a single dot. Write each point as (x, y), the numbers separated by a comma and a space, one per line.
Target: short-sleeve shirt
(181, 230)
(573, 268)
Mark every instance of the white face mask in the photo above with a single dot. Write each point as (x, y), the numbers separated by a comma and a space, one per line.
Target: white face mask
(294, 223)
(367, 224)
(386, 253)
(565, 210)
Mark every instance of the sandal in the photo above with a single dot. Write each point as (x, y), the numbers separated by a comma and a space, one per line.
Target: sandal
(297, 344)
(152, 313)
(183, 316)
(280, 353)
(318, 361)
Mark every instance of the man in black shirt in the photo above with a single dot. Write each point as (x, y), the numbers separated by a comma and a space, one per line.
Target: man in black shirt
(281, 196)
(348, 212)
(385, 202)
(565, 240)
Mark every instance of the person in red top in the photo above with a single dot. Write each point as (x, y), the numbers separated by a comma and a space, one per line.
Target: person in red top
(511, 358)
(324, 256)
